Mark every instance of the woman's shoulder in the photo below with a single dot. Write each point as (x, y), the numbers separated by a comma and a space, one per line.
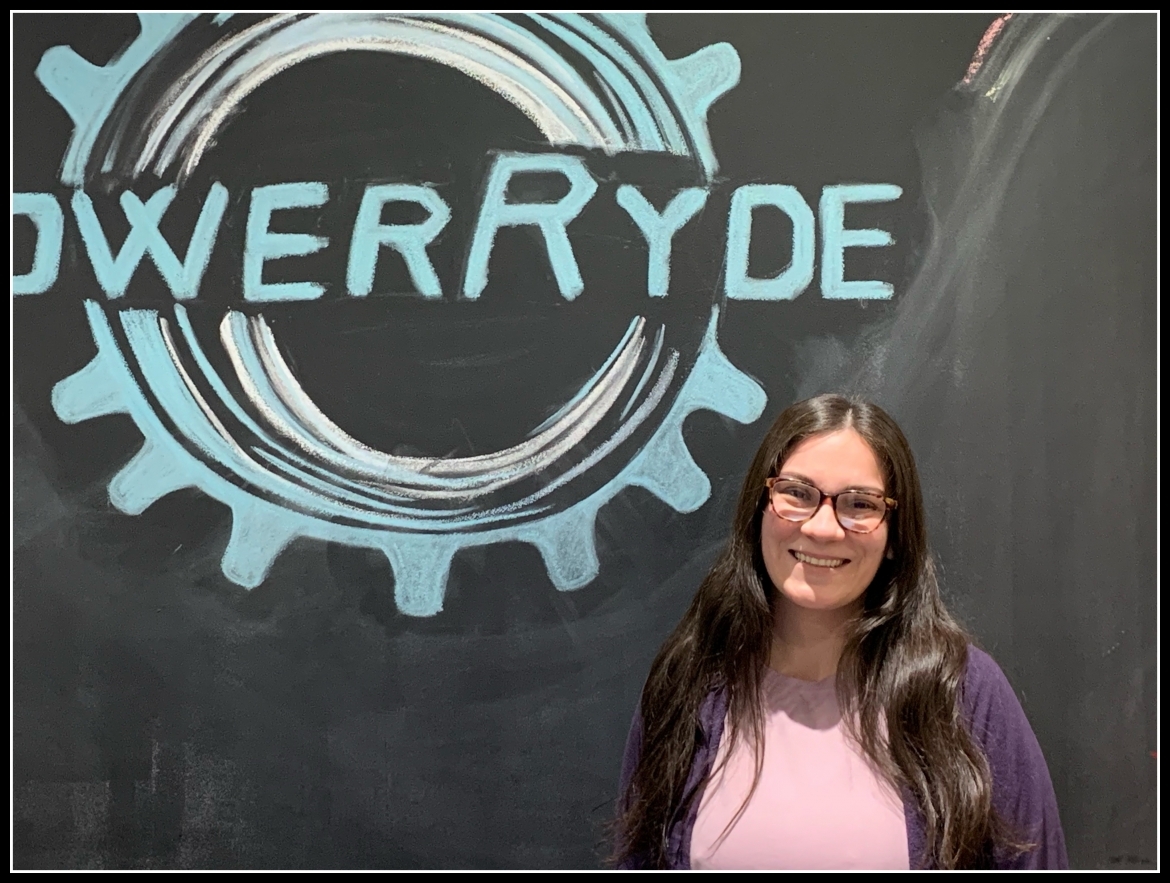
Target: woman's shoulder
(983, 673)
(988, 698)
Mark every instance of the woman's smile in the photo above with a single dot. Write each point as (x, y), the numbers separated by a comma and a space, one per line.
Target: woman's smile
(818, 561)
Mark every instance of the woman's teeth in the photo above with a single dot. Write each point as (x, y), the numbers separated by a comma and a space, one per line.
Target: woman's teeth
(819, 562)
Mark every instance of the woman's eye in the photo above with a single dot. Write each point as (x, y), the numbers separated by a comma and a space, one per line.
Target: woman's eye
(798, 494)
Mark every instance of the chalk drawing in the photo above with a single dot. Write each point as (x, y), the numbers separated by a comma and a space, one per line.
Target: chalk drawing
(286, 470)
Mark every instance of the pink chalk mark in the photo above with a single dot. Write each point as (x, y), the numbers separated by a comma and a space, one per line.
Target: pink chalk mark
(984, 46)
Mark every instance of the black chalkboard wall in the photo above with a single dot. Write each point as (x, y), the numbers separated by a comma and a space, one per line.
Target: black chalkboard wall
(417, 505)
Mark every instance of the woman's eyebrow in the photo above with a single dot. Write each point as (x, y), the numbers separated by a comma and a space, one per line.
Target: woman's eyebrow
(876, 491)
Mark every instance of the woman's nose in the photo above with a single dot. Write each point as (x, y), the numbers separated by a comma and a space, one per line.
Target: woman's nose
(824, 523)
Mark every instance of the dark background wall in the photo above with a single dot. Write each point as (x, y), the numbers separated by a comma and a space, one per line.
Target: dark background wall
(165, 717)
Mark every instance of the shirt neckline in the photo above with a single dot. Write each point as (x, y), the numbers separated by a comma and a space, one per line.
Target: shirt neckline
(777, 677)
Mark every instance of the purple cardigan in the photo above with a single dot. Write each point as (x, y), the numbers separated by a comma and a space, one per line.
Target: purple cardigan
(1021, 787)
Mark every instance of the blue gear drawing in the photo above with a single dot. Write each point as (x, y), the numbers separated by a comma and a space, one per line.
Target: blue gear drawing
(281, 492)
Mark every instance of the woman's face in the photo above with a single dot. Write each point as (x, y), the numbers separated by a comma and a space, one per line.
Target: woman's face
(817, 564)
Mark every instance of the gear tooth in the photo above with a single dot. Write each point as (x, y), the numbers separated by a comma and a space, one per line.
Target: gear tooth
(150, 476)
(717, 385)
(88, 92)
(76, 84)
(421, 564)
(568, 546)
(707, 74)
(158, 26)
(629, 21)
(91, 392)
(259, 534)
(666, 469)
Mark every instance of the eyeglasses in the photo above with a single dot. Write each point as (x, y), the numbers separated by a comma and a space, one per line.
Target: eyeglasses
(855, 511)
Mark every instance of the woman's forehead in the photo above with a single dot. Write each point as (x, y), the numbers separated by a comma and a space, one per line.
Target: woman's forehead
(838, 457)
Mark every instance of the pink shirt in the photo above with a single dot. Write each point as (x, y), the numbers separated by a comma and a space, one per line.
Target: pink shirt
(819, 805)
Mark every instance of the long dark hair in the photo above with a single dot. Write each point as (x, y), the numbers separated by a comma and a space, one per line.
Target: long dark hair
(898, 680)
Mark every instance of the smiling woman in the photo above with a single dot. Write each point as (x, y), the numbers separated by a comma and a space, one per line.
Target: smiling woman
(817, 707)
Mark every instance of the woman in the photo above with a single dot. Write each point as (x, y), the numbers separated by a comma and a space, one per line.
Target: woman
(817, 707)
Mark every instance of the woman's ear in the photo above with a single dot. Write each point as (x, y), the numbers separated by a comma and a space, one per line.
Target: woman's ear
(890, 553)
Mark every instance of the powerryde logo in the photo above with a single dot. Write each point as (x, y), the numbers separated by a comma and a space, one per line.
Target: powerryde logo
(405, 237)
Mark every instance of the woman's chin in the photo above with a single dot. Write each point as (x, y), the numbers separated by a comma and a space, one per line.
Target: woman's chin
(808, 597)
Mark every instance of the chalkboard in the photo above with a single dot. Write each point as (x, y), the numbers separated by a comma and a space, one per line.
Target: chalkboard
(383, 385)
